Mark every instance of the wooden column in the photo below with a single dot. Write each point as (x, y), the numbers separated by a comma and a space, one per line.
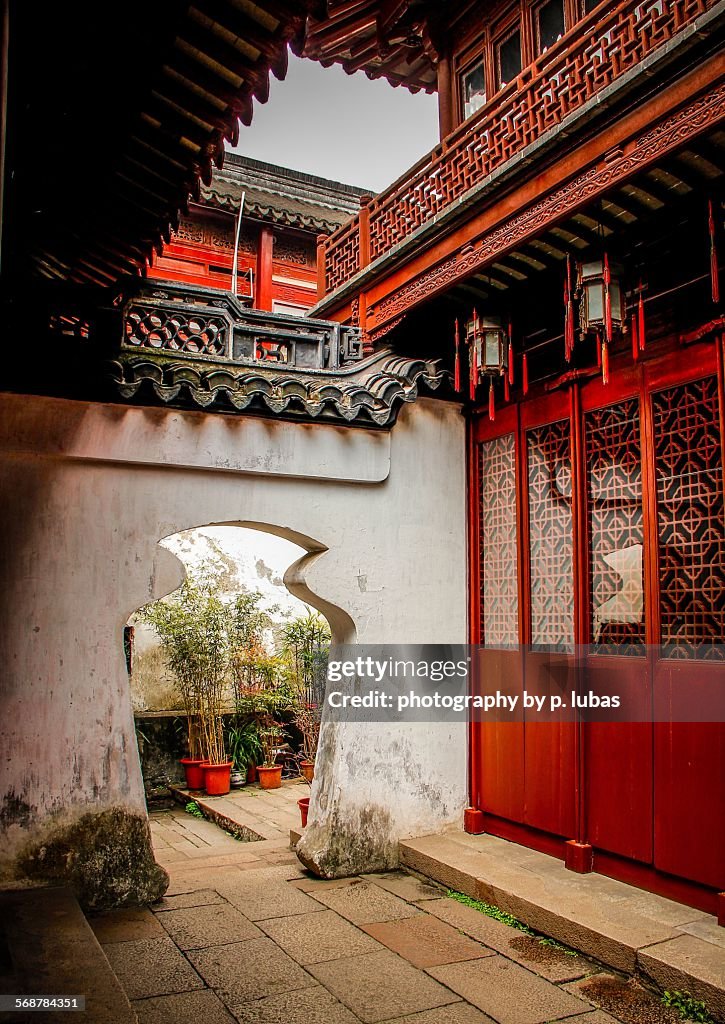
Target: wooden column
(321, 268)
(364, 231)
(445, 96)
(263, 286)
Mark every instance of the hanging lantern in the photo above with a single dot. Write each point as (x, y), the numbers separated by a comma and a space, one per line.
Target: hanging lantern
(488, 343)
(488, 346)
(600, 309)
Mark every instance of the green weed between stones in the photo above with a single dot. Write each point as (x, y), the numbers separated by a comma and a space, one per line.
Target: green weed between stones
(490, 910)
(687, 1007)
(193, 808)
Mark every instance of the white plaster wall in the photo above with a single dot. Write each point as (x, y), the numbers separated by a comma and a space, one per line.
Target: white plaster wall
(89, 490)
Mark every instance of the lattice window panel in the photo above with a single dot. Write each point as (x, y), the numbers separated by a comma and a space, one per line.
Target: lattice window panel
(690, 524)
(616, 529)
(498, 553)
(550, 536)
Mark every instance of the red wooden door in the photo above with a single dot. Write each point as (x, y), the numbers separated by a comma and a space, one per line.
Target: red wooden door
(600, 521)
(549, 601)
(616, 759)
(689, 552)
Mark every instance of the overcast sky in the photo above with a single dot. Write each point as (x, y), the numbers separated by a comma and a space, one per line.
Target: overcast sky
(345, 127)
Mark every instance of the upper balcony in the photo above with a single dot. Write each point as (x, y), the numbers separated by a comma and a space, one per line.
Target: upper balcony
(580, 73)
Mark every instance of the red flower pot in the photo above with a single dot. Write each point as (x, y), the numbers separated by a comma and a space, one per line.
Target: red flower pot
(216, 778)
(251, 772)
(308, 770)
(193, 772)
(304, 806)
(270, 778)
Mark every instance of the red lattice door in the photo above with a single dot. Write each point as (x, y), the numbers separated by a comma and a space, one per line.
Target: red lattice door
(599, 524)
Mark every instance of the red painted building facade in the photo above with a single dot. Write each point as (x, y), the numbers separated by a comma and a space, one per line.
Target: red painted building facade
(285, 212)
(561, 244)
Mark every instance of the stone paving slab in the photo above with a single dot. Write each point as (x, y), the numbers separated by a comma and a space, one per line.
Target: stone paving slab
(364, 903)
(544, 960)
(507, 992)
(214, 925)
(314, 938)
(198, 898)
(261, 898)
(310, 884)
(199, 1007)
(308, 1006)
(454, 1013)
(248, 970)
(425, 941)
(408, 887)
(125, 925)
(151, 967)
(379, 986)
(688, 962)
(624, 998)
(709, 930)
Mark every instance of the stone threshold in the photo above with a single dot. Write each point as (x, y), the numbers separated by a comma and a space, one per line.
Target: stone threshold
(667, 944)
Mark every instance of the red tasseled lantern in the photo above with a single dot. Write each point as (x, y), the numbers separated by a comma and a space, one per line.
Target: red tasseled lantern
(506, 391)
(457, 362)
(605, 362)
(525, 374)
(510, 377)
(491, 401)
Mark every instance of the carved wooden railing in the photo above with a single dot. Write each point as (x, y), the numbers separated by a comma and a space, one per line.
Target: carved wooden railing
(598, 51)
(183, 320)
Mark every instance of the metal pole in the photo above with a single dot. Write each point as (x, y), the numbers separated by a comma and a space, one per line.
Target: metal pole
(235, 261)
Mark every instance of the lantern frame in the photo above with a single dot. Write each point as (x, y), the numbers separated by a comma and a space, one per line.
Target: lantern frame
(592, 292)
(488, 342)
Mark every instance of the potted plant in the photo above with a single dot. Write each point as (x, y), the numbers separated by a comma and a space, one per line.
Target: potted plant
(269, 772)
(193, 626)
(307, 719)
(245, 749)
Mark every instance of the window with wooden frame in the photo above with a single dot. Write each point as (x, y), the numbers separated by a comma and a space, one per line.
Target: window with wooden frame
(549, 24)
(508, 56)
(587, 6)
(473, 87)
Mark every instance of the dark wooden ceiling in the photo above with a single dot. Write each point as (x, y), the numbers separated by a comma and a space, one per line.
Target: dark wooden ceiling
(116, 112)
(395, 39)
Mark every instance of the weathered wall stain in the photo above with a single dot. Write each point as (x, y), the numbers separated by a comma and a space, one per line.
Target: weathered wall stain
(105, 857)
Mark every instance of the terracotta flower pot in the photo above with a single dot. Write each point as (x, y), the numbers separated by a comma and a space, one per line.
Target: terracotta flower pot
(304, 806)
(216, 778)
(194, 773)
(308, 770)
(270, 778)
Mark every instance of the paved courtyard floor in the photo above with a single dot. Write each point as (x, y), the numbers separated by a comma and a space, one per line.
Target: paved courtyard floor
(245, 935)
